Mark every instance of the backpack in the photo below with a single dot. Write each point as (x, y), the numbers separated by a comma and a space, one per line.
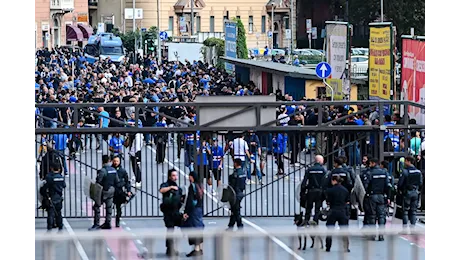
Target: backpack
(54, 159)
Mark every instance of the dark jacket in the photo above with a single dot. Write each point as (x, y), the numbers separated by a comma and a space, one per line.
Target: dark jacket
(315, 176)
(107, 177)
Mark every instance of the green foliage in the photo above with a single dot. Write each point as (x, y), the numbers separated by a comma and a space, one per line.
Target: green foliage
(128, 38)
(403, 14)
(220, 49)
(311, 59)
(241, 47)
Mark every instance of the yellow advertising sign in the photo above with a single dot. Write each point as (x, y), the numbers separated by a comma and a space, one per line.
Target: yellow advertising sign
(336, 85)
(380, 62)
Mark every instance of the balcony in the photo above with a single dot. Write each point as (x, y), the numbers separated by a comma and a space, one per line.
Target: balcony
(63, 5)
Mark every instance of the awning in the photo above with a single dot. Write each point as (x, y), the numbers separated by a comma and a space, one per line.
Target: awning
(73, 33)
(86, 30)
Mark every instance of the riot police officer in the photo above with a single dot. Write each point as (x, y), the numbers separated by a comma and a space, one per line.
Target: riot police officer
(123, 190)
(339, 170)
(350, 169)
(408, 185)
(107, 177)
(237, 181)
(52, 197)
(313, 180)
(172, 202)
(375, 183)
(338, 198)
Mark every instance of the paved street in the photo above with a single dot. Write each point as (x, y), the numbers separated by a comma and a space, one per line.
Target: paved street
(404, 246)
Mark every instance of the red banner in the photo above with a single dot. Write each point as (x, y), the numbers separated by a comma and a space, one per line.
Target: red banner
(413, 76)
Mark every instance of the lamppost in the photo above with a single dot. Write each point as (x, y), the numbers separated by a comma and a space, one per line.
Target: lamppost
(273, 28)
(381, 11)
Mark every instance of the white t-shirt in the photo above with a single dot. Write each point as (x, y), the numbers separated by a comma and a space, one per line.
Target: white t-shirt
(283, 119)
(239, 147)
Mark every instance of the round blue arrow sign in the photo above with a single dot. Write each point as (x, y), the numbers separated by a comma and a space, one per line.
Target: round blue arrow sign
(323, 70)
(163, 35)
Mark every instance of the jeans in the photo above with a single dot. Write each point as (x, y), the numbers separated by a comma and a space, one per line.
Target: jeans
(257, 167)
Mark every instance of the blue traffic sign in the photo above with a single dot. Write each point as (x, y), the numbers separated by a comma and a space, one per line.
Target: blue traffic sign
(270, 34)
(143, 29)
(163, 35)
(323, 70)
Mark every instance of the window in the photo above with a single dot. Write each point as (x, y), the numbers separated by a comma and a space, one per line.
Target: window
(286, 22)
(225, 18)
(198, 24)
(211, 24)
(170, 23)
(251, 24)
(238, 17)
(264, 21)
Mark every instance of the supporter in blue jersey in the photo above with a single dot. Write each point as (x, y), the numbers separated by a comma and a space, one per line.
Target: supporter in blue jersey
(203, 151)
(60, 145)
(116, 145)
(217, 161)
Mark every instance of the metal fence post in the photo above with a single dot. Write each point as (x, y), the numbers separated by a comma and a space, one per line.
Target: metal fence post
(381, 132)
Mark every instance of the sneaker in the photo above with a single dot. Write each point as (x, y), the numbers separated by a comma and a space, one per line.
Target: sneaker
(177, 160)
(297, 164)
(214, 193)
(252, 182)
(248, 182)
(328, 249)
(381, 238)
(261, 182)
(77, 153)
(138, 184)
(106, 226)
(99, 151)
(263, 174)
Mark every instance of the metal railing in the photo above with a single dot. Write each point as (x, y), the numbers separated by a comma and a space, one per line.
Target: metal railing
(268, 244)
(274, 197)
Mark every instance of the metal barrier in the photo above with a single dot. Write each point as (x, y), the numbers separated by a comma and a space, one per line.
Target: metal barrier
(164, 148)
(235, 245)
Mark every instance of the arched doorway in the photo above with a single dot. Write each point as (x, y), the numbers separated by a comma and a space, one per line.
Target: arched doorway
(56, 33)
(276, 36)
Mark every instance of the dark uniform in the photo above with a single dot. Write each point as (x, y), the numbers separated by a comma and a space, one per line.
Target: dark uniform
(54, 186)
(338, 198)
(409, 184)
(237, 181)
(375, 183)
(170, 208)
(124, 186)
(107, 177)
(315, 177)
(344, 174)
(352, 173)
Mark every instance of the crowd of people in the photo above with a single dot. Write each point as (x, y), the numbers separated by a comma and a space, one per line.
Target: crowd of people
(63, 76)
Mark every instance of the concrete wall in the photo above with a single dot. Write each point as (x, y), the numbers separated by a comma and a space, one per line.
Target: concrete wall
(278, 82)
(245, 119)
(311, 87)
(256, 76)
(43, 16)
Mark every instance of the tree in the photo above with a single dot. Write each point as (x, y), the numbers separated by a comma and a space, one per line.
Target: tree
(241, 47)
(128, 38)
(403, 14)
(220, 49)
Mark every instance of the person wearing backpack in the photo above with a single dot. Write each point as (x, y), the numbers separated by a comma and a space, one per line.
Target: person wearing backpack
(51, 157)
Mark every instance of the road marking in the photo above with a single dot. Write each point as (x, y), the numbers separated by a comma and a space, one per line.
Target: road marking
(256, 227)
(77, 243)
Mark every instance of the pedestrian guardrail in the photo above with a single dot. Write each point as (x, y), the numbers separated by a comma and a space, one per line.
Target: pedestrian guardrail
(226, 245)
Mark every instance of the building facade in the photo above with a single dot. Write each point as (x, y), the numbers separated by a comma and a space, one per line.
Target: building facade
(52, 18)
(175, 18)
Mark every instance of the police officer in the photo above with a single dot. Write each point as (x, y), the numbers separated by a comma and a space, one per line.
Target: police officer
(408, 185)
(172, 202)
(107, 177)
(338, 198)
(237, 181)
(313, 180)
(342, 172)
(391, 182)
(123, 190)
(375, 183)
(349, 169)
(52, 197)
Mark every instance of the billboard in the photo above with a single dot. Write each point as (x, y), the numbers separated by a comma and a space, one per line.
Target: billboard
(380, 62)
(336, 56)
(231, 34)
(413, 76)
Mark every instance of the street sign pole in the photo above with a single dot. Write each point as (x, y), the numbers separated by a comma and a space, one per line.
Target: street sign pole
(332, 90)
(323, 70)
